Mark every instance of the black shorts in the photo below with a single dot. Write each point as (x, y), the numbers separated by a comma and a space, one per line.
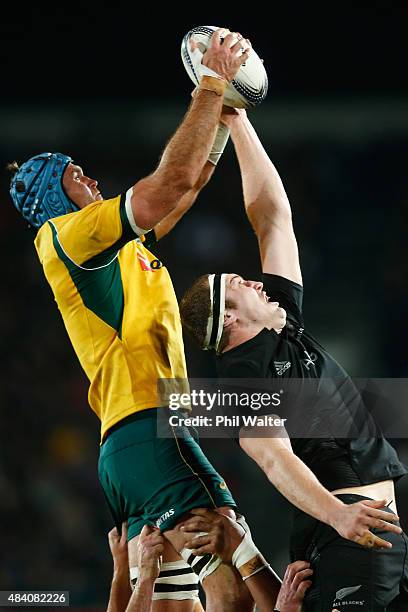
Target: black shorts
(348, 577)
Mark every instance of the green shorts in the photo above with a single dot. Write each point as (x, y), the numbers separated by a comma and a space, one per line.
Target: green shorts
(155, 480)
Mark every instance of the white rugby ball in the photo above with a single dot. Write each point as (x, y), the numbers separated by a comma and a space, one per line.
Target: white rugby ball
(250, 86)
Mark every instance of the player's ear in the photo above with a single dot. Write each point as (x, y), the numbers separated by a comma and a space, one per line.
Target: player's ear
(229, 318)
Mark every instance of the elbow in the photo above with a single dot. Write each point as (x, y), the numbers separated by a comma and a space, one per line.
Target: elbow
(264, 223)
(268, 451)
(260, 449)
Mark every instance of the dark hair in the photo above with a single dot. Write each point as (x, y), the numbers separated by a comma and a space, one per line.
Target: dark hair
(13, 168)
(195, 308)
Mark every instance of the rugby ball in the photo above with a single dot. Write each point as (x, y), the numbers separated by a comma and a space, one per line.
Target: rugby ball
(250, 86)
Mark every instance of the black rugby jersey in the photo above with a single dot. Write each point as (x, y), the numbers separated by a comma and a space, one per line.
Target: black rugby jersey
(363, 456)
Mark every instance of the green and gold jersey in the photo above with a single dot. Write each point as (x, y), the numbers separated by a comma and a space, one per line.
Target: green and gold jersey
(118, 305)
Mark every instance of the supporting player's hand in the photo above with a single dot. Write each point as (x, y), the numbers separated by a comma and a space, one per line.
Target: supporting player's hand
(354, 522)
(222, 534)
(229, 116)
(119, 549)
(226, 53)
(294, 586)
(150, 547)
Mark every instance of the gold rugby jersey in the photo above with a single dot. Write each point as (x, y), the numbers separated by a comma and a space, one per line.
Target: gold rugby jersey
(118, 305)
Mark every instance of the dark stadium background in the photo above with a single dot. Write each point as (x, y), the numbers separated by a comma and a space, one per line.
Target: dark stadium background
(109, 89)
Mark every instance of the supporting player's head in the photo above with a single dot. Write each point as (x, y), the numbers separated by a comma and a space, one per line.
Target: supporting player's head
(50, 185)
(223, 310)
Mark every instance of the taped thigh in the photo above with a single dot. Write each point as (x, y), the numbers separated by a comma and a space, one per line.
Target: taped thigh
(176, 581)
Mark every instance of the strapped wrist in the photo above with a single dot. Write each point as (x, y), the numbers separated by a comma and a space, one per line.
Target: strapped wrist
(247, 558)
(253, 566)
(215, 84)
(220, 141)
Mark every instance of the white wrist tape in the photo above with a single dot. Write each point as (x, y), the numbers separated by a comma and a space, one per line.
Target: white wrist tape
(245, 552)
(220, 141)
(241, 521)
(205, 71)
(247, 558)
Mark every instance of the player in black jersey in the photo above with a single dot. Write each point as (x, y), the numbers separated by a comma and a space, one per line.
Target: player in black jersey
(257, 331)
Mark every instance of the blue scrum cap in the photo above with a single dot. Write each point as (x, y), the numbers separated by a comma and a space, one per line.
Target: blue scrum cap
(37, 190)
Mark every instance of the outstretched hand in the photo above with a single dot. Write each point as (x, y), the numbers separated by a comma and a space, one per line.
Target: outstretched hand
(354, 522)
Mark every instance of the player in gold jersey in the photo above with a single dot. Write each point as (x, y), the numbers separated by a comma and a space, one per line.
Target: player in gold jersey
(120, 311)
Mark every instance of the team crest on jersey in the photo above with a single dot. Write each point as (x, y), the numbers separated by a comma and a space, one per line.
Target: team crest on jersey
(340, 600)
(281, 367)
(148, 266)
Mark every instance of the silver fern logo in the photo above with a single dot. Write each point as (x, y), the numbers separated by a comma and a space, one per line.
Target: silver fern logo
(347, 591)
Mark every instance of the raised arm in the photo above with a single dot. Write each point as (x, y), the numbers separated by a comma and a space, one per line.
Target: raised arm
(184, 157)
(265, 199)
(185, 203)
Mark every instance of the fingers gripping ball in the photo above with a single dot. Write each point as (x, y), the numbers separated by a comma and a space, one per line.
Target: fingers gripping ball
(250, 86)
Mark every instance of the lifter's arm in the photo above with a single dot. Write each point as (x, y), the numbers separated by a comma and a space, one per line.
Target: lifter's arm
(217, 534)
(266, 202)
(120, 592)
(184, 157)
